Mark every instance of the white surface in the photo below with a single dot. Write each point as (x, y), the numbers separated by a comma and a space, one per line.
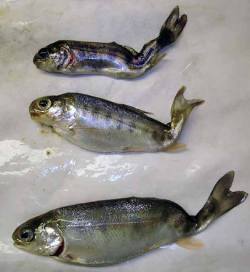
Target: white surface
(212, 58)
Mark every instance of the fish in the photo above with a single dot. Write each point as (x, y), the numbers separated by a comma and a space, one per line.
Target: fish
(109, 232)
(109, 59)
(99, 125)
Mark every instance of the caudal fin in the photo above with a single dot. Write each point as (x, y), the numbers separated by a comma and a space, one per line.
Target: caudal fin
(220, 201)
(172, 28)
(181, 108)
(151, 54)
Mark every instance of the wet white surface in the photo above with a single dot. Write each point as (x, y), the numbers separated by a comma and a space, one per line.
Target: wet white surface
(212, 58)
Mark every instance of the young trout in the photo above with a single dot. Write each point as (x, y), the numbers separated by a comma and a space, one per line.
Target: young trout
(112, 231)
(99, 125)
(111, 59)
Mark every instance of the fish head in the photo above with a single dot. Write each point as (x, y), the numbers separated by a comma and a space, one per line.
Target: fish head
(38, 237)
(54, 58)
(54, 111)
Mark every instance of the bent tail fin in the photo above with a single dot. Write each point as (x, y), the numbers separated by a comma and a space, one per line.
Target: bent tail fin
(150, 54)
(220, 201)
(181, 108)
(172, 28)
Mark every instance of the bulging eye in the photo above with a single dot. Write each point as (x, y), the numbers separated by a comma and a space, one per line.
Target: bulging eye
(44, 104)
(27, 235)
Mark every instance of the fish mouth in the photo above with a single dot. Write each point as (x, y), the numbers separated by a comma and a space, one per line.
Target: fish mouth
(38, 60)
(16, 241)
(33, 112)
(18, 244)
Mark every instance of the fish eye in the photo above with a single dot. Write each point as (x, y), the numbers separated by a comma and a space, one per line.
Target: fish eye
(44, 104)
(43, 53)
(27, 235)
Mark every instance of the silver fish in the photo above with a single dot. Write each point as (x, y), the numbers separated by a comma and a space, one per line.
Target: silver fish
(111, 59)
(103, 126)
(112, 231)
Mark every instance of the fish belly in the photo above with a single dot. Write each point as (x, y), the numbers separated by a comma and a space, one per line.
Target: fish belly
(112, 231)
(105, 244)
(99, 135)
(100, 63)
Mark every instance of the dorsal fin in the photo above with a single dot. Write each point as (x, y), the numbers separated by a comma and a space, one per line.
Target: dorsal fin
(131, 50)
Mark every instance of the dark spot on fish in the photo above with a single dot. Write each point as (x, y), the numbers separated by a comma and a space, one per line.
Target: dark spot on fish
(85, 106)
(102, 227)
(108, 115)
(163, 137)
(132, 127)
(179, 221)
(168, 126)
(169, 135)
(158, 136)
(119, 125)
(154, 135)
(48, 152)
(70, 257)
(72, 131)
(95, 111)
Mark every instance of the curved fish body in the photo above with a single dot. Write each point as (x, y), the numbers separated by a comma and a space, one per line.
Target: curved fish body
(111, 59)
(103, 126)
(112, 231)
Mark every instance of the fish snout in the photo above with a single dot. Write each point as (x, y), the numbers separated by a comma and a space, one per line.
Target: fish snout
(34, 113)
(36, 59)
(16, 238)
(15, 235)
(40, 56)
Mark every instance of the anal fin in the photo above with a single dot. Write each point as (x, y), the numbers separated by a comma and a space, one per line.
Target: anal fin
(176, 147)
(190, 243)
(133, 149)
